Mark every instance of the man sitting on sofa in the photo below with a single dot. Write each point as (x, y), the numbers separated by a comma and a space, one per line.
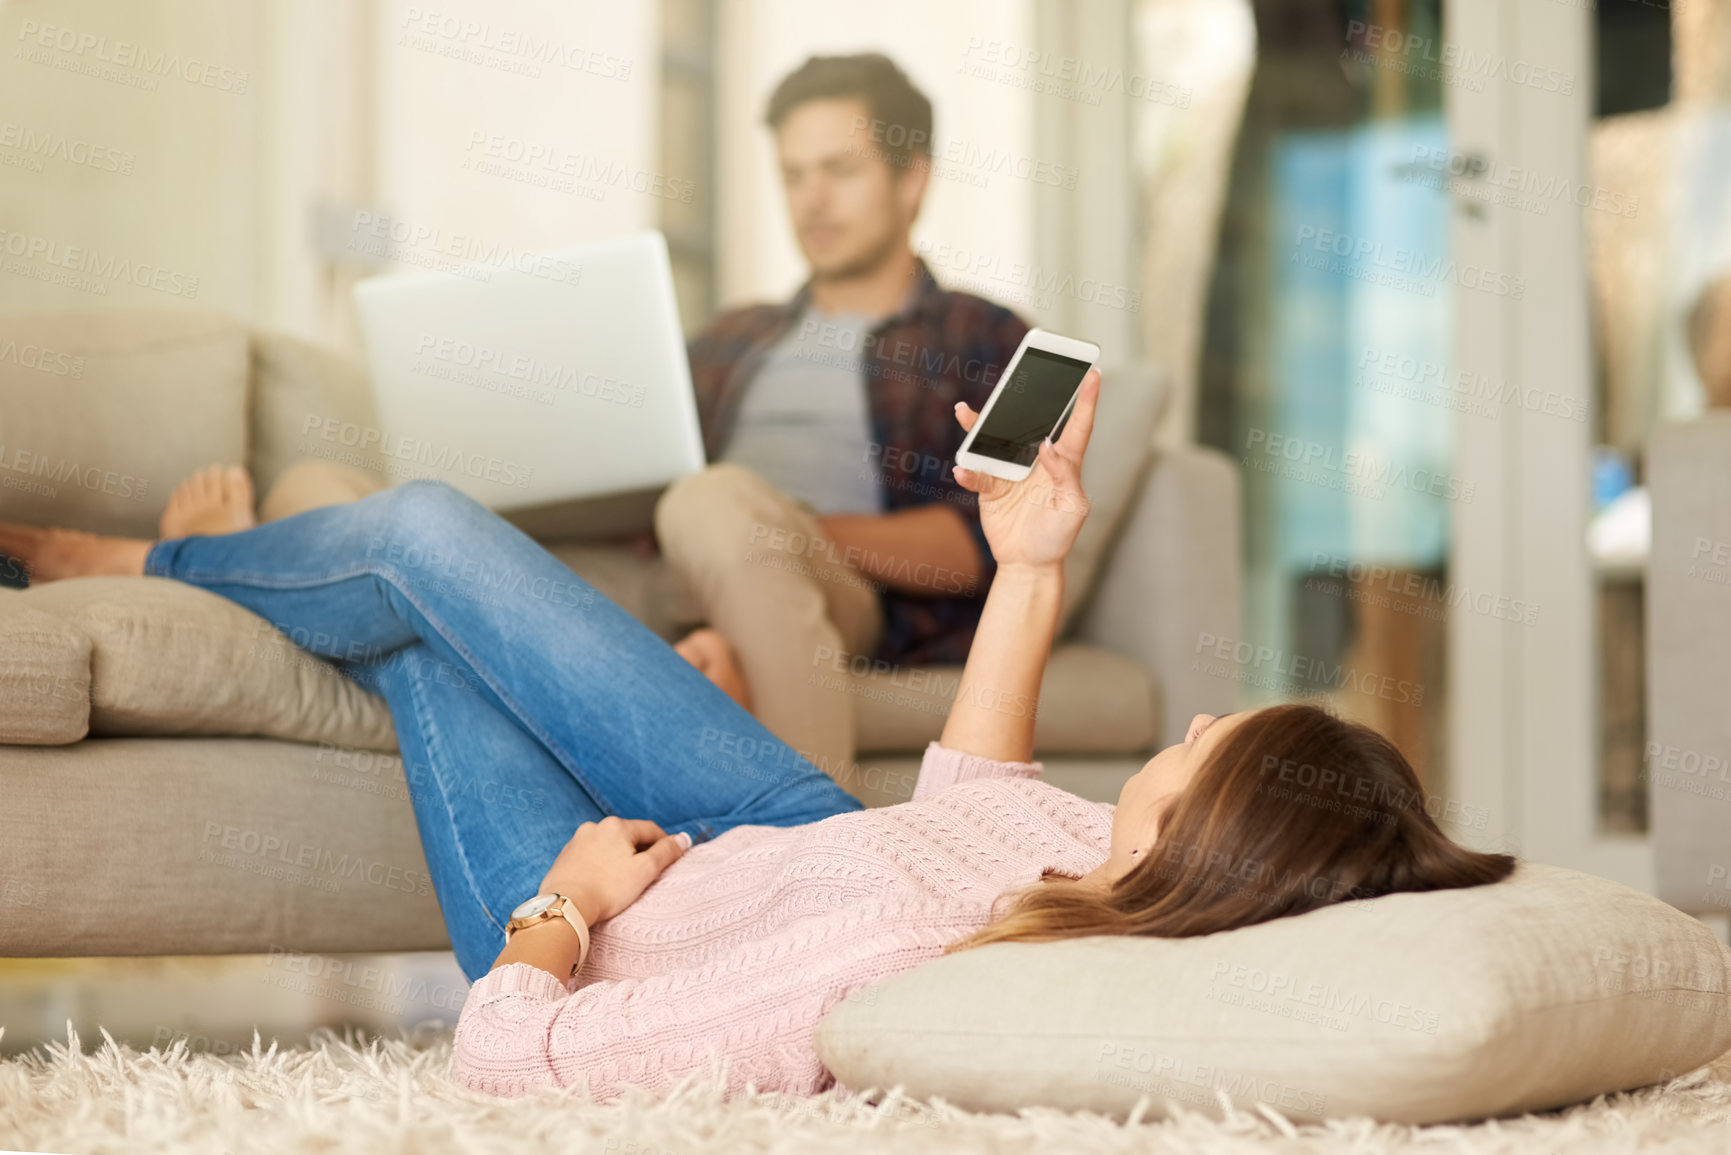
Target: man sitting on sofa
(827, 526)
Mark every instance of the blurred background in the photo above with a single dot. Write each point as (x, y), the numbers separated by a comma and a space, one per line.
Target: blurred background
(1430, 272)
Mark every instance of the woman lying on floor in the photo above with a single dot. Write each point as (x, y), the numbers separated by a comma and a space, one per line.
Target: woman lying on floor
(624, 955)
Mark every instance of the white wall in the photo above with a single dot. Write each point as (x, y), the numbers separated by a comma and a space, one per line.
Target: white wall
(442, 86)
(178, 204)
(358, 106)
(316, 147)
(339, 105)
(763, 40)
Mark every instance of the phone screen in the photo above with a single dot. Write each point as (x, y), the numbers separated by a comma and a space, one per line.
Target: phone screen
(1032, 401)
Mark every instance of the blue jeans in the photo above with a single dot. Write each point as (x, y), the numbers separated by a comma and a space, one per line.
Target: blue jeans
(525, 702)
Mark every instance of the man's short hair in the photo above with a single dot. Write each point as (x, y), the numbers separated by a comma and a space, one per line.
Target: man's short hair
(901, 115)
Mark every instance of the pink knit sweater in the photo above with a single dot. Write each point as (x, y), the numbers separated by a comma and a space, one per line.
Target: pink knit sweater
(739, 948)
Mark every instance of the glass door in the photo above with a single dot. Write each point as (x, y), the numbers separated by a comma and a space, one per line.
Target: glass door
(1328, 375)
(1399, 358)
(1535, 715)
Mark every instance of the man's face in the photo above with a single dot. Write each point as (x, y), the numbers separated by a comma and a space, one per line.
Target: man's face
(851, 206)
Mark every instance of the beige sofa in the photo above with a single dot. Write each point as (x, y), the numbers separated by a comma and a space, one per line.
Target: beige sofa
(193, 784)
(1687, 758)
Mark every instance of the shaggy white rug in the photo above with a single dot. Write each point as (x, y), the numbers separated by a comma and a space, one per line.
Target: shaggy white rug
(395, 1096)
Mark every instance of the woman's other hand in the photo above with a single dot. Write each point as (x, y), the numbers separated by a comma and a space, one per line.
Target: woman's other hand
(1034, 522)
(607, 864)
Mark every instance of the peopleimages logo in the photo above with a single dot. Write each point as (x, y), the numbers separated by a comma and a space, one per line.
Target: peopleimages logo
(1406, 268)
(1294, 673)
(43, 145)
(1361, 788)
(444, 458)
(1173, 1077)
(87, 269)
(243, 844)
(1543, 188)
(41, 359)
(473, 41)
(529, 370)
(583, 168)
(1452, 63)
(1371, 578)
(1281, 986)
(1374, 477)
(61, 471)
(1385, 371)
(962, 159)
(1710, 561)
(352, 981)
(399, 239)
(87, 47)
(1020, 274)
(1067, 77)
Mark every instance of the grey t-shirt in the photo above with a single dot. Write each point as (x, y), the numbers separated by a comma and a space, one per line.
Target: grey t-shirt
(804, 424)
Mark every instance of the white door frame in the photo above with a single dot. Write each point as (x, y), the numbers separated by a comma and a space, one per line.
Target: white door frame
(1523, 734)
(1089, 231)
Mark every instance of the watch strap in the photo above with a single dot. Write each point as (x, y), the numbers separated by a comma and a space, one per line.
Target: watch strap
(564, 908)
(568, 909)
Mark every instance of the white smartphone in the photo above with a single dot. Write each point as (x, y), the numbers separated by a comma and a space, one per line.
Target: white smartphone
(1032, 400)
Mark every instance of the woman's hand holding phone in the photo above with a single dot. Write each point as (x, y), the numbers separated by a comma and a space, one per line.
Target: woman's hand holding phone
(1031, 525)
(1034, 522)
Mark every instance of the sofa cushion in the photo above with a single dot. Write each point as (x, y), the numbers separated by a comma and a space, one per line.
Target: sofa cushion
(1092, 701)
(1545, 989)
(106, 412)
(1131, 397)
(311, 403)
(170, 658)
(44, 676)
(178, 846)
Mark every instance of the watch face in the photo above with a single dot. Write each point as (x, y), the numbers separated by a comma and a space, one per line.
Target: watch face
(535, 906)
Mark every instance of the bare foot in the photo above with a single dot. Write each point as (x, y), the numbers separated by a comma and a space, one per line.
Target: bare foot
(713, 657)
(52, 554)
(215, 500)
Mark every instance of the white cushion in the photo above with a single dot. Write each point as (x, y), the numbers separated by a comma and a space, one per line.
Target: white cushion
(1542, 990)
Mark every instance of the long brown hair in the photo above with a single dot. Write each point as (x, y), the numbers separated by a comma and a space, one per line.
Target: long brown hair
(1296, 810)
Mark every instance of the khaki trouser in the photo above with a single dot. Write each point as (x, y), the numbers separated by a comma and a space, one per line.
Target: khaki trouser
(736, 553)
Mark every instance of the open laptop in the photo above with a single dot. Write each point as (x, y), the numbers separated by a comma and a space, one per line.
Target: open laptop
(536, 381)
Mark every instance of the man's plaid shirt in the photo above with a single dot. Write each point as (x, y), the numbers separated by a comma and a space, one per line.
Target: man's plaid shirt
(940, 348)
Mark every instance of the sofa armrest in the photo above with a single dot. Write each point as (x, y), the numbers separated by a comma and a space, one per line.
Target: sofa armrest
(1688, 600)
(1171, 582)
